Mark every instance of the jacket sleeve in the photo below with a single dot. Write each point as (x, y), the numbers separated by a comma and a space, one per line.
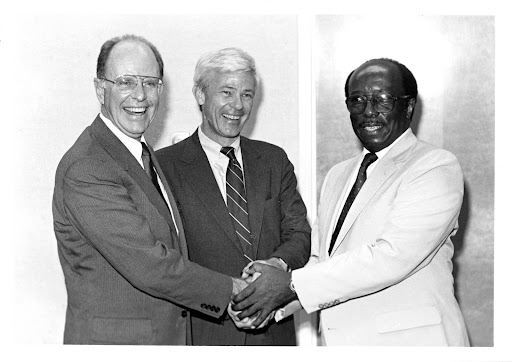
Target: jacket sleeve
(295, 230)
(100, 205)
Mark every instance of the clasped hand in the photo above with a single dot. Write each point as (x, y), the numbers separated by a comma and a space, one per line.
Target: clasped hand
(268, 290)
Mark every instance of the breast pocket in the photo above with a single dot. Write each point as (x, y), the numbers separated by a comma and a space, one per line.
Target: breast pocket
(121, 331)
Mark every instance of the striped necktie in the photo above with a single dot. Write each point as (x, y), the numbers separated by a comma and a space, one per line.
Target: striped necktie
(369, 158)
(237, 201)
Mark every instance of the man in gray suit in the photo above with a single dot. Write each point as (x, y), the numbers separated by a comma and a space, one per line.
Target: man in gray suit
(120, 237)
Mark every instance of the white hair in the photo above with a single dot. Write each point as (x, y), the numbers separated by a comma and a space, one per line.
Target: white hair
(228, 60)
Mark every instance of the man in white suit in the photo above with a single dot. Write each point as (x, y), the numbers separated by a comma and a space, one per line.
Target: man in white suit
(381, 274)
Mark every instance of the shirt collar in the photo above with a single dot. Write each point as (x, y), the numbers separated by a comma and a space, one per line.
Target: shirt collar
(383, 152)
(131, 144)
(213, 148)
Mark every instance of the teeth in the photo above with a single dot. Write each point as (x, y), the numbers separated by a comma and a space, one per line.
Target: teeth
(231, 117)
(136, 110)
(372, 128)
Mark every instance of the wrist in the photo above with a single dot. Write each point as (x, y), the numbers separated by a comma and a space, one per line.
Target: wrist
(291, 286)
(292, 293)
(279, 263)
(285, 265)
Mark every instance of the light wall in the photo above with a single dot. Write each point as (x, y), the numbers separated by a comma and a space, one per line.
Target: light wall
(54, 58)
(452, 59)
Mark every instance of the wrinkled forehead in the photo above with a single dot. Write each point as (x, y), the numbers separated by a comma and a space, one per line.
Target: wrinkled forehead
(377, 76)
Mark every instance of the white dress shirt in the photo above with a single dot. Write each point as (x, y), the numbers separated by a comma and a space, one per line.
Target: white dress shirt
(218, 161)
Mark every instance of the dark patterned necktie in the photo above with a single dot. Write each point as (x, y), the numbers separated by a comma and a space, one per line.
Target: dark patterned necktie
(150, 169)
(237, 201)
(369, 158)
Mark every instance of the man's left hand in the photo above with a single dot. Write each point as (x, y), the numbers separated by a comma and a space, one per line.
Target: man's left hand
(248, 323)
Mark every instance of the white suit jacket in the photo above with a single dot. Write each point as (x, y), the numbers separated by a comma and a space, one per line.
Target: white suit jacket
(389, 278)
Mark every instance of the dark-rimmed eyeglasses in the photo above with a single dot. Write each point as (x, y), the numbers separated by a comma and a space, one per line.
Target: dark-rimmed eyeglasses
(382, 102)
(128, 82)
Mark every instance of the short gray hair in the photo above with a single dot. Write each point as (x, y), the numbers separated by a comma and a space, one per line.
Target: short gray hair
(227, 60)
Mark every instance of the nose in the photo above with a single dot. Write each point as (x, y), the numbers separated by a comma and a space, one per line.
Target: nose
(369, 110)
(139, 93)
(237, 103)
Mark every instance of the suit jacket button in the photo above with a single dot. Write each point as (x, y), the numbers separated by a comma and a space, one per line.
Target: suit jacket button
(184, 313)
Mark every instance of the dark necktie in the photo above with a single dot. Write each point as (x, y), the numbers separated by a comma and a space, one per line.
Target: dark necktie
(149, 168)
(369, 158)
(237, 201)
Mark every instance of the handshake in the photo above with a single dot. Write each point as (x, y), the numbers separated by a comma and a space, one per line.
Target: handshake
(263, 288)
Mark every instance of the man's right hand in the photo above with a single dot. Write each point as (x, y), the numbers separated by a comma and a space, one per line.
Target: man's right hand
(269, 292)
(238, 286)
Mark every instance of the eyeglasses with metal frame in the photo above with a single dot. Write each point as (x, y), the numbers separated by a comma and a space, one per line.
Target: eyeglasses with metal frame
(128, 82)
(382, 102)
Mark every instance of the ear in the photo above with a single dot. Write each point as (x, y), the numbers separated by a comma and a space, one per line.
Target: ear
(410, 107)
(100, 90)
(198, 94)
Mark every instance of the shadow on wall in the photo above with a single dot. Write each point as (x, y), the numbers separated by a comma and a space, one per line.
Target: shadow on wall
(258, 98)
(418, 110)
(156, 129)
(458, 239)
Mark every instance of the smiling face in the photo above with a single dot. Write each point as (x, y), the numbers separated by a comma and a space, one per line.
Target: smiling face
(226, 104)
(377, 130)
(133, 111)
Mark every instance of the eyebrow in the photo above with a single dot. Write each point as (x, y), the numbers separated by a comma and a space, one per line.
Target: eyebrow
(234, 88)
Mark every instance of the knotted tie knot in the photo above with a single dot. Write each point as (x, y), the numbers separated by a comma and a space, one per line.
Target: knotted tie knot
(145, 150)
(369, 158)
(229, 152)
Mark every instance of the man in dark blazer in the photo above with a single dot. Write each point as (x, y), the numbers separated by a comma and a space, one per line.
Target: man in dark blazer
(120, 237)
(275, 230)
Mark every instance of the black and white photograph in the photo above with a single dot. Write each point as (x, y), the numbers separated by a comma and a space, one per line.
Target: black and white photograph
(322, 176)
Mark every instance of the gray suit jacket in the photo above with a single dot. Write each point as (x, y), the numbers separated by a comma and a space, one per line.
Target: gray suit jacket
(127, 273)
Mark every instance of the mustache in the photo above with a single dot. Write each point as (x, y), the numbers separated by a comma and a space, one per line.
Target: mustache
(371, 124)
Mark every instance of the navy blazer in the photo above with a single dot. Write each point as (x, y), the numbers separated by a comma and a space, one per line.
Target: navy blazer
(126, 270)
(277, 217)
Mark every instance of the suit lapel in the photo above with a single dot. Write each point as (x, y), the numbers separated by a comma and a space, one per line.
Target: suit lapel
(199, 174)
(116, 149)
(334, 203)
(256, 176)
(384, 169)
(172, 201)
